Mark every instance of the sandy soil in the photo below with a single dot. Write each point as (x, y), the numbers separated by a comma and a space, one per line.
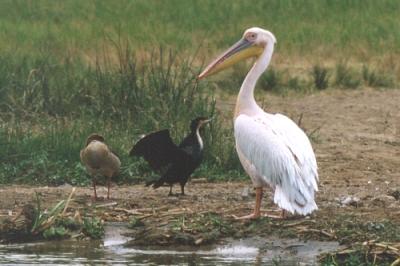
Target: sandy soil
(357, 142)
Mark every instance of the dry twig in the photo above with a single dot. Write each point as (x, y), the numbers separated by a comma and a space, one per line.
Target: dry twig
(133, 212)
(299, 223)
(110, 204)
(68, 201)
(323, 232)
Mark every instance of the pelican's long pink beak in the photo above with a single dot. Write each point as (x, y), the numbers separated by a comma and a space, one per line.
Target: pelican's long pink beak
(241, 50)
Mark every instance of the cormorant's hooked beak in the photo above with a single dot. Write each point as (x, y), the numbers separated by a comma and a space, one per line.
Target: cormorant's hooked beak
(241, 50)
(206, 121)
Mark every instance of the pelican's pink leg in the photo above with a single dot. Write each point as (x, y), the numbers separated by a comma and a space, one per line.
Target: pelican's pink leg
(257, 212)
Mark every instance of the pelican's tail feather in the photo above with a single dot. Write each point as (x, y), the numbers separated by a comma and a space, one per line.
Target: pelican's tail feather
(296, 204)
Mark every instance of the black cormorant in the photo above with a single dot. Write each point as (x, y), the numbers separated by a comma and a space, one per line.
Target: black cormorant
(178, 162)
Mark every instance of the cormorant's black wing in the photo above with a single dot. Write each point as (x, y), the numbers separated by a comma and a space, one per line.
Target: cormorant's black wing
(157, 149)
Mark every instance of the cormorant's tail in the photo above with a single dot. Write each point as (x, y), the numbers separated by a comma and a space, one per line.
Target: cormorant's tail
(149, 183)
(158, 183)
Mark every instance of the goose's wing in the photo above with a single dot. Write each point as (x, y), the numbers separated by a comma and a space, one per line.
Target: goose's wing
(157, 149)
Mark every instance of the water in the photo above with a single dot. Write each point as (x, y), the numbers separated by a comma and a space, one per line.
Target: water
(252, 251)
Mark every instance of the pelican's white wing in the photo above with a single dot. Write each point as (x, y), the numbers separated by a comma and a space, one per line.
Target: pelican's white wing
(274, 150)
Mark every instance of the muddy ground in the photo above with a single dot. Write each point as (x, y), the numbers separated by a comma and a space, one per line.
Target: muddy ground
(356, 137)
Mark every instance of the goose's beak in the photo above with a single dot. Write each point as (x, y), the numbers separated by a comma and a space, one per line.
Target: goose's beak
(241, 50)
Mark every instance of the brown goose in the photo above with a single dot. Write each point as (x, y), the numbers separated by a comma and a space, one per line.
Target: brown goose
(99, 160)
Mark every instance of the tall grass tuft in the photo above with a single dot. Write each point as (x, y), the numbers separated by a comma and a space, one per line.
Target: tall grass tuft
(373, 78)
(345, 77)
(297, 84)
(320, 77)
(271, 80)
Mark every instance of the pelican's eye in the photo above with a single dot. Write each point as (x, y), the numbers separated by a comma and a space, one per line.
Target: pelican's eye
(251, 36)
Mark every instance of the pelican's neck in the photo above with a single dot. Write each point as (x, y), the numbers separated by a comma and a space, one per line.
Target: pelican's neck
(245, 103)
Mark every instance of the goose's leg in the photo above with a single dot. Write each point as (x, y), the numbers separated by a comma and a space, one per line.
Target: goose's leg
(108, 188)
(94, 188)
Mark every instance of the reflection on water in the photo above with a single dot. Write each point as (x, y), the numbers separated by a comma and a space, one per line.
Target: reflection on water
(254, 251)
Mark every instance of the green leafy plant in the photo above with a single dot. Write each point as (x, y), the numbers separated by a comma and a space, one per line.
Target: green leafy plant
(44, 220)
(134, 222)
(93, 228)
(55, 232)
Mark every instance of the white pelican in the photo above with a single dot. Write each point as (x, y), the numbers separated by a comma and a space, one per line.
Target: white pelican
(99, 160)
(272, 149)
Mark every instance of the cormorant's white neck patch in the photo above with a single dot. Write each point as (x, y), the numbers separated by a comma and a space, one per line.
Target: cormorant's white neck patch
(199, 138)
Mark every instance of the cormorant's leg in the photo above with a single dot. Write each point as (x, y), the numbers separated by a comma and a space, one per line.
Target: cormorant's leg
(183, 189)
(94, 187)
(170, 191)
(257, 212)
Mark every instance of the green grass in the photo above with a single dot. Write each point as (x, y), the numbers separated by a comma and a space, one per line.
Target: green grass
(325, 27)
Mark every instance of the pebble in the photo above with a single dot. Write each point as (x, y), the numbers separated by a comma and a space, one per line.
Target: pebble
(349, 200)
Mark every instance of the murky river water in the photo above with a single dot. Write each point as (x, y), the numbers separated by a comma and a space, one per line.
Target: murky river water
(253, 251)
